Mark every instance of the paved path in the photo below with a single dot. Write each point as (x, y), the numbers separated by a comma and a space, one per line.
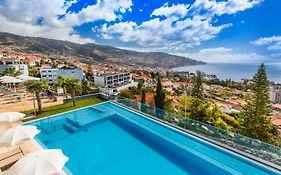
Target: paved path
(28, 105)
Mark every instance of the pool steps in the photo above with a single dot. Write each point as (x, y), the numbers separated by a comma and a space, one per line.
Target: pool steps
(100, 110)
(73, 126)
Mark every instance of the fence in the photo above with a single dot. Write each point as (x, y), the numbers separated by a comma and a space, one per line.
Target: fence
(84, 97)
(262, 152)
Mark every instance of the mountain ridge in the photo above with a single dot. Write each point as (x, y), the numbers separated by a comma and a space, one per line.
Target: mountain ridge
(93, 52)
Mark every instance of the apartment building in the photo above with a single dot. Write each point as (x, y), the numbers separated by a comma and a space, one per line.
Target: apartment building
(23, 69)
(275, 95)
(112, 79)
(52, 74)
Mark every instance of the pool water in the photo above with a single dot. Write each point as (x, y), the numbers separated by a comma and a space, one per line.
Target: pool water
(108, 139)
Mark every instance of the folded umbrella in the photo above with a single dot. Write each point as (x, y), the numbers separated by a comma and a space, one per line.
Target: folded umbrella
(18, 135)
(10, 116)
(42, 162)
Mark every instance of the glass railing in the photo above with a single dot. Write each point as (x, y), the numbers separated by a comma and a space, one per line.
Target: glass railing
(260, 151)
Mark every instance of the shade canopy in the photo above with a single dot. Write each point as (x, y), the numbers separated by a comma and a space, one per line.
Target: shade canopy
(10, 116)
(10, 79)
(26, 77)
(42, 162)
(18, 135)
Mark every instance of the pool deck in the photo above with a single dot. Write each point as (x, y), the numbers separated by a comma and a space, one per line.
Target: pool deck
(27, 146)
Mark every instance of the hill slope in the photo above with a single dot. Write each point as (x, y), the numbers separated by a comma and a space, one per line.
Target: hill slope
(93, 52)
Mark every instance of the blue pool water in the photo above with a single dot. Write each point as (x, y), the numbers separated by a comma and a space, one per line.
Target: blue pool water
(108, 139)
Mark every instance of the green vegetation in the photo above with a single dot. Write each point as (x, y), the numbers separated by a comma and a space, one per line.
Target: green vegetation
(197, 90)
(52, 110)
(159, 98)
(143, 96)
(127, 93)
(89, 75)
(34, 72)
(228, 83)
(198, 108)
(85, 86)
(35, 86)
(73, 87)
(255, 118)
(10, 71)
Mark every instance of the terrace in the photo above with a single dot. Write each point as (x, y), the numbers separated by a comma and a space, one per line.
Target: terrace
(161, 141)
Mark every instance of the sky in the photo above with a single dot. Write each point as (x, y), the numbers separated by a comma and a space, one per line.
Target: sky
(207, 30)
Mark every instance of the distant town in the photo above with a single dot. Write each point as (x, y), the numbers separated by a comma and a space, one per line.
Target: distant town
(115, 81)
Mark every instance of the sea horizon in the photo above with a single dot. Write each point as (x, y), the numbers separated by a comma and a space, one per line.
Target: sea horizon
(235, 71)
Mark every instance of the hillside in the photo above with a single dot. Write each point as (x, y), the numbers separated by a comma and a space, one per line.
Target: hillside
(93, 52)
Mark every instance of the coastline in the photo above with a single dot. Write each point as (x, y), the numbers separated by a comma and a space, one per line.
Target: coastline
(233, 71)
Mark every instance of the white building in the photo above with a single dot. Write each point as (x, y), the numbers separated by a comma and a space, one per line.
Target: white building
(52, 74)
(23, 69)
(275, 95)
(112, 79)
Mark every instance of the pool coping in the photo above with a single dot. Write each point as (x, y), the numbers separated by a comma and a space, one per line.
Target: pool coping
(213, 143)
(217, 144)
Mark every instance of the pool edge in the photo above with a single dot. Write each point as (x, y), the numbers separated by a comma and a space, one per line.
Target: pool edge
(247, 158)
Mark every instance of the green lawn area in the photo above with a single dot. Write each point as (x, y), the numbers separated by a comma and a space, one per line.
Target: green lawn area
(52, 110)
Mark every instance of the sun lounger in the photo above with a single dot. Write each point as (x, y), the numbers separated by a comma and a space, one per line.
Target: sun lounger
(8, 158)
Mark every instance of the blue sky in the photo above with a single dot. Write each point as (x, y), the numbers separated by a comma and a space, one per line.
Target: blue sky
(208, 30)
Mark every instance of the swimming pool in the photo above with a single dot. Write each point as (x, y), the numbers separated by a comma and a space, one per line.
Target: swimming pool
(110, 139)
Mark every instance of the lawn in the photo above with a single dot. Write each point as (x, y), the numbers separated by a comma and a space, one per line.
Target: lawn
(52, 110)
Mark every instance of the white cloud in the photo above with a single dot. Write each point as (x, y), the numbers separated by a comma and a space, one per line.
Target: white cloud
(214, 55)
(102, 10)
(169, 33)
(223, 7)
(22, 16)
(272, 43)
(184, 25)
(215, 50)
(180, 9)
(275, 55)
(224, 55)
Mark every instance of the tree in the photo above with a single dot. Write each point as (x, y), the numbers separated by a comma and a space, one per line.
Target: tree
(139, 86)
(159, 97)
(89, 74)
(255, 120)
(73, 87)
(35, 86)
(11, 71)
(126, 93)
(85, 86)
(197, 90)
(152, 74)
(61, 84)
(34, 72)
(216, 118)
(143, 96)
(199, 108)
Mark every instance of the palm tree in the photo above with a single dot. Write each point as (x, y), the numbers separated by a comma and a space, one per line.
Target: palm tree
(35, 87)
(73, 87)
(11, 71)
(61, 84)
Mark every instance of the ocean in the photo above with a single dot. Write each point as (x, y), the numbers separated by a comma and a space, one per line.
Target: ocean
(235, 71)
